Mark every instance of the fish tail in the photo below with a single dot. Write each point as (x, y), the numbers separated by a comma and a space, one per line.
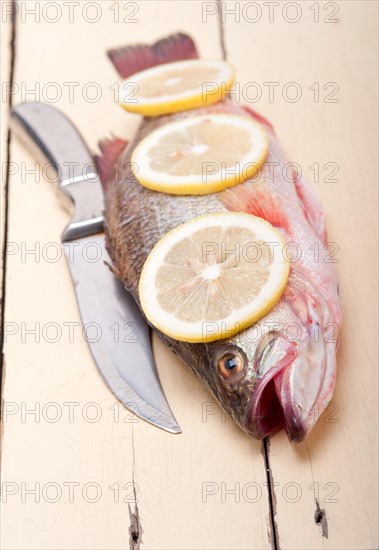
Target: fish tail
(110, 149)
(132, 59)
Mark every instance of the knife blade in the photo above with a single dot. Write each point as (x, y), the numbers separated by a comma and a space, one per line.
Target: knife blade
(117, 333)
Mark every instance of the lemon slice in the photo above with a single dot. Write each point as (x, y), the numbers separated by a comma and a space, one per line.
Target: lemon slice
(200, 155)
(213, 276)
(177, 86)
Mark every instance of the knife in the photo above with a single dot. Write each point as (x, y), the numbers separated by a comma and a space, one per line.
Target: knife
(121, 346)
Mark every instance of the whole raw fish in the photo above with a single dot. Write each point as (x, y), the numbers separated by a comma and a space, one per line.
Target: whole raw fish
(289, 356)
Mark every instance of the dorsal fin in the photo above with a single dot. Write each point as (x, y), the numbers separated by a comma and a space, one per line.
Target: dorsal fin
(110, 149)
(129, 60)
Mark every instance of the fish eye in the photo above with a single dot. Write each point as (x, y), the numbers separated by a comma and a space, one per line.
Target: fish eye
(229, 364)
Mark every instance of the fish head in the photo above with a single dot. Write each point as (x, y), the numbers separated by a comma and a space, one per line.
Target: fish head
(279, 373)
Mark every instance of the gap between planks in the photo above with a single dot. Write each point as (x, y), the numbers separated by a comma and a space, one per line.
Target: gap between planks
(274, 535)
(4, 194)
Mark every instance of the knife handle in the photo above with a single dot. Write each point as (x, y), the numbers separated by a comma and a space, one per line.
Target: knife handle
(45, 130)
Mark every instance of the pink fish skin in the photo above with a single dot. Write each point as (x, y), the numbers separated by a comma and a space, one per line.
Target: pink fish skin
(289, 356)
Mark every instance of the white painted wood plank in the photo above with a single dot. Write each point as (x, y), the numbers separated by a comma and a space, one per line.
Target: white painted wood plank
(340, 455)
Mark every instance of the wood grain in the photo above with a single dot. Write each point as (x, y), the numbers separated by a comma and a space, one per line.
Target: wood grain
(206, 488)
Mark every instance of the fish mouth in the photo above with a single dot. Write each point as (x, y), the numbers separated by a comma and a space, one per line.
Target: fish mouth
(271, 407)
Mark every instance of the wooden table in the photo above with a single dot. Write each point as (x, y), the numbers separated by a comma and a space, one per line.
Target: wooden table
(86, 458)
